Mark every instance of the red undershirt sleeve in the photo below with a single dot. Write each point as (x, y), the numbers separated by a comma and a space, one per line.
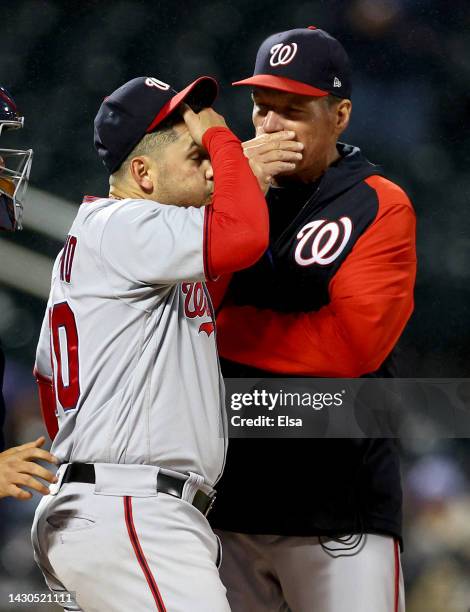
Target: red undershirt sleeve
(236, 224)
(371, 299)
(47, 403)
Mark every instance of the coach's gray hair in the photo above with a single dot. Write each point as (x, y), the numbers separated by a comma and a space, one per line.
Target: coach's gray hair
(332, 100)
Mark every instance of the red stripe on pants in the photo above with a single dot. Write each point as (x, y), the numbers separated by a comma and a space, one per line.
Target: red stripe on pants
(397, 575)
(139, 553)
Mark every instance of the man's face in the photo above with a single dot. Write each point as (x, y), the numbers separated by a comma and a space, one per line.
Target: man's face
(184, 172)
(311, 118)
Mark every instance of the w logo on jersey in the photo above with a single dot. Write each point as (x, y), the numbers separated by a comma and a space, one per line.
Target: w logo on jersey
(197, 305)
(322, 241)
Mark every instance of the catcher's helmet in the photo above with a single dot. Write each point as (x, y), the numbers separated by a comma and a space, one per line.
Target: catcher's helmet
(15, 166)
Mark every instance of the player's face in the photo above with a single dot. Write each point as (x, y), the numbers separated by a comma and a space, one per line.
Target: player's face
(185, 176)
(312, 119)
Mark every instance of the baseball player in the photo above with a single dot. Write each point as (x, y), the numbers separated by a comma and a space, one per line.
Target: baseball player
(127, 356)
(18, 467)
(330, 298)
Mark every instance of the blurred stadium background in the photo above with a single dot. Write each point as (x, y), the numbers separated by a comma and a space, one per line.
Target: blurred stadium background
(411, 99)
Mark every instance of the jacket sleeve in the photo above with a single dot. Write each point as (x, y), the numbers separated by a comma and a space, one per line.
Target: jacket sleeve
(371, 299)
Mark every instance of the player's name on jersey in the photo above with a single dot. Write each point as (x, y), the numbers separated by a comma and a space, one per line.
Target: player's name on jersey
(281, 420)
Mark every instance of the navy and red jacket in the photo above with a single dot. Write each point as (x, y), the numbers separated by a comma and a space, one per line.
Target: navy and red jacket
(330, 298)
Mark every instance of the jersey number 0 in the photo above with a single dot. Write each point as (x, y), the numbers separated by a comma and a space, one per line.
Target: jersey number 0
(65, 343)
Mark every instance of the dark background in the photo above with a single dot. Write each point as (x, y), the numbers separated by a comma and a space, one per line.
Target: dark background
(411, 106)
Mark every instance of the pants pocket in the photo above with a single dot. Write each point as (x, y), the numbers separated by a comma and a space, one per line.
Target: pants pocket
(70, 522)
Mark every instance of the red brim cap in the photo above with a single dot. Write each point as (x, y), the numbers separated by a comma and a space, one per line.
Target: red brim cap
(282, 84)
(201, 92)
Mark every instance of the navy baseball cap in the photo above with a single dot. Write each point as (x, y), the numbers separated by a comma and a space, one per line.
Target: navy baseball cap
(306, 61)
(137, 108)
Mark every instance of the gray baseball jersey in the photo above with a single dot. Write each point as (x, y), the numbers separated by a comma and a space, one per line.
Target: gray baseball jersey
(129, 340)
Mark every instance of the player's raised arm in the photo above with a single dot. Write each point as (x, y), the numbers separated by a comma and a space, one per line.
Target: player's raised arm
(192, 207)
(236, 224)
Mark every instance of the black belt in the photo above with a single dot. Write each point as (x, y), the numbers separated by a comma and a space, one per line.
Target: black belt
(166, 483)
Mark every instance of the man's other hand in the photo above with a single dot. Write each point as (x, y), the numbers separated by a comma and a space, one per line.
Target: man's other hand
(271, 154)
(18, 469)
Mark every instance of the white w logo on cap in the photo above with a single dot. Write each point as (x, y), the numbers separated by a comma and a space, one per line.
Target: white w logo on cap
(282, 54)
(152, 82)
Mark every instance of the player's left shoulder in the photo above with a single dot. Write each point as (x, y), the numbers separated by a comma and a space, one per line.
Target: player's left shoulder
(389, 194)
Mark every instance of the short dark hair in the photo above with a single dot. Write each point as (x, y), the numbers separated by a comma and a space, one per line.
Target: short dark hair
(161, 136)
(169, 122)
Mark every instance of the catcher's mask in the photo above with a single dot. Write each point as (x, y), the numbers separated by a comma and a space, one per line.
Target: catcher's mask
(15, 166)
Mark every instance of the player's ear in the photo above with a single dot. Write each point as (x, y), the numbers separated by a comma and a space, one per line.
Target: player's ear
(142, 174)
(342, 115)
